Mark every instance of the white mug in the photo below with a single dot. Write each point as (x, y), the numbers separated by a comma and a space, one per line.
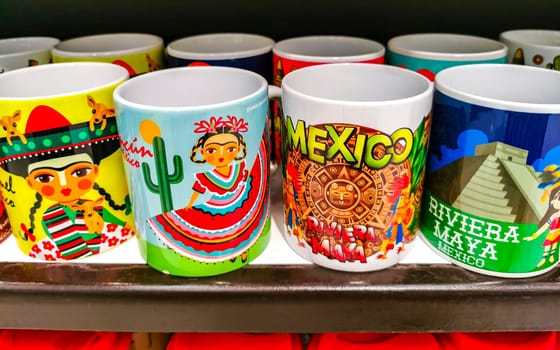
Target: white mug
(354, 138)
(25, 51)
(533, 47)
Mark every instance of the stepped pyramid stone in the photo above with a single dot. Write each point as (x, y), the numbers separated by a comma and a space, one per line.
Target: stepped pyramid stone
(493, 191)
(487, 195)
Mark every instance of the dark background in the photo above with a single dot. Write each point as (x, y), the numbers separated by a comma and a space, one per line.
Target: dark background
(374, 19)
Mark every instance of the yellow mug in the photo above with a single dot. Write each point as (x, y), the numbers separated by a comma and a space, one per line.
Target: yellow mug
(61, 167)
(137, 52)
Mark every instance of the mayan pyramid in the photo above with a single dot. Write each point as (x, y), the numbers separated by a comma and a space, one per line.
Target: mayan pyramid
(496, 183)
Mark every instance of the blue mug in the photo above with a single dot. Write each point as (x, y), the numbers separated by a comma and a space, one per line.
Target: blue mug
(239, 50)
(491, 200)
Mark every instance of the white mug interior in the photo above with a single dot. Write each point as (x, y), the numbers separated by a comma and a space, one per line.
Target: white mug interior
(356, 83)
(329, 49)
(113, 44)
(510, 87)
(447, 46)
(219, 46)
(533, 37)
(188, 87)
(60, 79)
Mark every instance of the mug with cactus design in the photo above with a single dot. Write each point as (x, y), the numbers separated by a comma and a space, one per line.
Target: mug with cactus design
(533, 47)
(195, 147)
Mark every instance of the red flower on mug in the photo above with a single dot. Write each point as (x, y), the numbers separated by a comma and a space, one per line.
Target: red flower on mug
(210, 126)
(48, 245)
(113, 241)
(49, 257)
(236, 125)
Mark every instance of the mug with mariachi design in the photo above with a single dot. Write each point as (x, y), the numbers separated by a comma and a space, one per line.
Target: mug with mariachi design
(61, 167)
(137, 52)
(195, 146)
(355, 139)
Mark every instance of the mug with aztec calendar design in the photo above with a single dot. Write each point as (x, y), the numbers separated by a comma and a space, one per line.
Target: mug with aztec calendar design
(354, 147)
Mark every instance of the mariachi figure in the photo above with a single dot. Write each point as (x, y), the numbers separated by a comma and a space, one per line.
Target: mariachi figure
(60, 162)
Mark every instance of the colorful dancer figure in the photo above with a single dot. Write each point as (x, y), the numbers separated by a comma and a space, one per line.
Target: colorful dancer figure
(230, 217)
(551, 219)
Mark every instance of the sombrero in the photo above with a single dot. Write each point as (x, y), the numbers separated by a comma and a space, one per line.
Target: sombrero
(50, 135)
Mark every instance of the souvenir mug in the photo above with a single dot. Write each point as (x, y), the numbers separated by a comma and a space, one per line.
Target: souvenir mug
(241, 50)
(492, 193)
(294, 53)
(137, 52)
(195, 145)
(5, 229)
(25, 51)
(355, 139)
(429, 53)
(533, 47)
(61, 167)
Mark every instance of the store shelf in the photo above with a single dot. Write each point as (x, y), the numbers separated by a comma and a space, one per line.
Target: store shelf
(261, 298)
(278, 292)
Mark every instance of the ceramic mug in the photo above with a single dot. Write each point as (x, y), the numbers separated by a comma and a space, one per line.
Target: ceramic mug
(355, 138)
(492, 193)
(241, 50)
(195, 144)
(298, 52)
(5, 228)
(533, 47)
(137, 52)
(429, 53)
(25, 51)
(61, 167)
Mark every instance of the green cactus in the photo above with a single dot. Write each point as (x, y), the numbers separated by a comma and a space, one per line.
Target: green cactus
(518, 57)
(164, 179)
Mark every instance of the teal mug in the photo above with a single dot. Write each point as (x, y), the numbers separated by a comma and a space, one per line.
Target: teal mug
(429, 53)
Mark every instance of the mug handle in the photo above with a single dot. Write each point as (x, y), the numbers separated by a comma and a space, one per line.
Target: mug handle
(274, 94)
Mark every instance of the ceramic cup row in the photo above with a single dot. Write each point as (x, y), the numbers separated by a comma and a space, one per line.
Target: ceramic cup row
(426, 53)
(193, 185)
(140, 53)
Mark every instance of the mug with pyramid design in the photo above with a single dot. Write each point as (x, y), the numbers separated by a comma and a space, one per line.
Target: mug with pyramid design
(492, 193)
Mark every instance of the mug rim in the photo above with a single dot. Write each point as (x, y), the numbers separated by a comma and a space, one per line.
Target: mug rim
(287, 49)
(402, 45)
(427, 90)
(45, 43)
(523, 37)
(119, 98)
(260, 44)
(64, 48)
(443, 85)
(119, 74)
